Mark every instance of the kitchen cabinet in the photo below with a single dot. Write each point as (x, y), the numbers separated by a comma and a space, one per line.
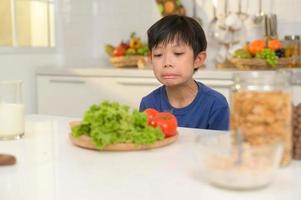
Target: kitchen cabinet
(71, 96)
(70, 93)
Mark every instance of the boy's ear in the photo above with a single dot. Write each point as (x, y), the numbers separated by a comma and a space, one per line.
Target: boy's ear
(200, 59)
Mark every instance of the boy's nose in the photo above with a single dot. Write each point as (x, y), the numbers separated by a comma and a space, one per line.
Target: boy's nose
(166, 61)
(165, 66)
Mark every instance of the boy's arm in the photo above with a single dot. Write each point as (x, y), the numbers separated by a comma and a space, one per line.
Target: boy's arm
(219, 120)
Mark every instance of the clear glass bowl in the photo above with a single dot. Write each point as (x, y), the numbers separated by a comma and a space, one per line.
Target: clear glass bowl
(241, 167)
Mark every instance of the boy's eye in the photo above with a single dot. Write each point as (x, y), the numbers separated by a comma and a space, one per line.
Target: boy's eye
(157, 55)
(178, 53)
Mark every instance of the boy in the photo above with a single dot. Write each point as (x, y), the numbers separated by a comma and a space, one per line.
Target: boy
(178, 48)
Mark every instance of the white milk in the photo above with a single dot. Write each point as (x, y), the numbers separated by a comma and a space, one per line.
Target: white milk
(11, 119)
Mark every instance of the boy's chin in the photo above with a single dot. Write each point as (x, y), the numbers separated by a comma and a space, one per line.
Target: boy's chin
(170, 83)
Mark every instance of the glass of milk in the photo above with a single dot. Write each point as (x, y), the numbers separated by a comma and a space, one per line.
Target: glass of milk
(11, 110)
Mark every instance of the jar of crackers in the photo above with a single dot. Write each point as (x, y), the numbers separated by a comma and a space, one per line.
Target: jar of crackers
(261, 109)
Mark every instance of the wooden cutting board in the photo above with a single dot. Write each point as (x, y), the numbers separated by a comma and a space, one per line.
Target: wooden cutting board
(85, 141)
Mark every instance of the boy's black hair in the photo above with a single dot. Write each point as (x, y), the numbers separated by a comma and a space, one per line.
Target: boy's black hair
(180, 28)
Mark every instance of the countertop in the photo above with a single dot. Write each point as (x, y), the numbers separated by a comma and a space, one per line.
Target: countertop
(50, 167)
(126, 72)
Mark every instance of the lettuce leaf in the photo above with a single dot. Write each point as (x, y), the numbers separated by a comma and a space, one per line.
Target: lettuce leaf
(112, 123)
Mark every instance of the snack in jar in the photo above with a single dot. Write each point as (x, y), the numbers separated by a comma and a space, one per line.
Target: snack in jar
(261, 110)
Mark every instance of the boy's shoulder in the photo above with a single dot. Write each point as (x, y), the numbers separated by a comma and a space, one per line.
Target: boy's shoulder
(212, 94)
(152, 100)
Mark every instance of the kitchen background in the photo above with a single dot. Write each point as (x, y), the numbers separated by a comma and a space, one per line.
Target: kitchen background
(83, 27)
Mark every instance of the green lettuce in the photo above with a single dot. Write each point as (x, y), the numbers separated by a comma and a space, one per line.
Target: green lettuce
(112, 123)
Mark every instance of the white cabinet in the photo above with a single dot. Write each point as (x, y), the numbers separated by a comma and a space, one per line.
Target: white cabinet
(69, 92)
(72, 95)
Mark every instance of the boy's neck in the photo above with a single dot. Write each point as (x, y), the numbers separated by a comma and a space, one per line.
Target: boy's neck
(183, 95)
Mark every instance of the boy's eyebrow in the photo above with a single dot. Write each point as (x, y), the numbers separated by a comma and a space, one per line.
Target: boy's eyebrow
(176, 44)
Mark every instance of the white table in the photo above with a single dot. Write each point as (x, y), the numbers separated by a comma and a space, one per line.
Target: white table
(50, 167)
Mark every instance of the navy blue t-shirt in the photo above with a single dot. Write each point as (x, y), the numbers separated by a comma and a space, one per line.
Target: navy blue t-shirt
(208, 110)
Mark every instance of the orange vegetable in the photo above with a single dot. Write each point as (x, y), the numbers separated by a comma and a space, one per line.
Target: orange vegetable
(256, 46)
(274, 44)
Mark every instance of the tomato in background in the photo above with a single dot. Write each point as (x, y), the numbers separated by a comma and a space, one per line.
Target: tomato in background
(119, 51)
(167, 122)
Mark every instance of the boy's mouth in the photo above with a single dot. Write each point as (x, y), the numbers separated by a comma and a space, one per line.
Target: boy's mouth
(169, 76)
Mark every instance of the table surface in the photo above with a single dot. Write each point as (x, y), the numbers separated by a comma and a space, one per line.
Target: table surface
(50, 167)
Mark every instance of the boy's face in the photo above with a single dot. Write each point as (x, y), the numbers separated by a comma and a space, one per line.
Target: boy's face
(174, 63)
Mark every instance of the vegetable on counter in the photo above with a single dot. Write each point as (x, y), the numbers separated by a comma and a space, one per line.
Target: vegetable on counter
(133, 47)
(166, 121)
(270, 51)
(269, 55)
(113, 123)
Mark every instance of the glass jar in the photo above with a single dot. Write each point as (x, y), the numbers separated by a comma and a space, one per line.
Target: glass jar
(296, 138)
(261, 110)
(291, 45)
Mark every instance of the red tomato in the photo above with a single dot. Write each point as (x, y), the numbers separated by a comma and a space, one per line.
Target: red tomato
(167, 122)
(151, 114)
(119, 51)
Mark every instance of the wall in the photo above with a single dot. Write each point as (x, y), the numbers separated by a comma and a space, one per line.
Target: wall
(85, 26)
(21, 64)
(22, 67)
(88, 25)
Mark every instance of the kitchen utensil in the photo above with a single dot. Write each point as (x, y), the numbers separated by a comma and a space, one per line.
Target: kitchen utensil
(194, 12)
(242, 15)
(226, 12)
(260, 15)
(222, 19)
(213, 22)
(273, 24)
(86, 142)
(6, 159)
(267, 26)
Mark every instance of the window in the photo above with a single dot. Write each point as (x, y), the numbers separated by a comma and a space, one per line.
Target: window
(27, 23)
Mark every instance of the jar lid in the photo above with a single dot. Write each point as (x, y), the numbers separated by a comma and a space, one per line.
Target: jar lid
(292, 37)
(262, 80)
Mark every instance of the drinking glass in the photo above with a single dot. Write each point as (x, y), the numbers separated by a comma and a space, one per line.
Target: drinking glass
(11, 110)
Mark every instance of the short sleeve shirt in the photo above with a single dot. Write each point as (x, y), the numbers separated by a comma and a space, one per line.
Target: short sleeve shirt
(208, 110)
